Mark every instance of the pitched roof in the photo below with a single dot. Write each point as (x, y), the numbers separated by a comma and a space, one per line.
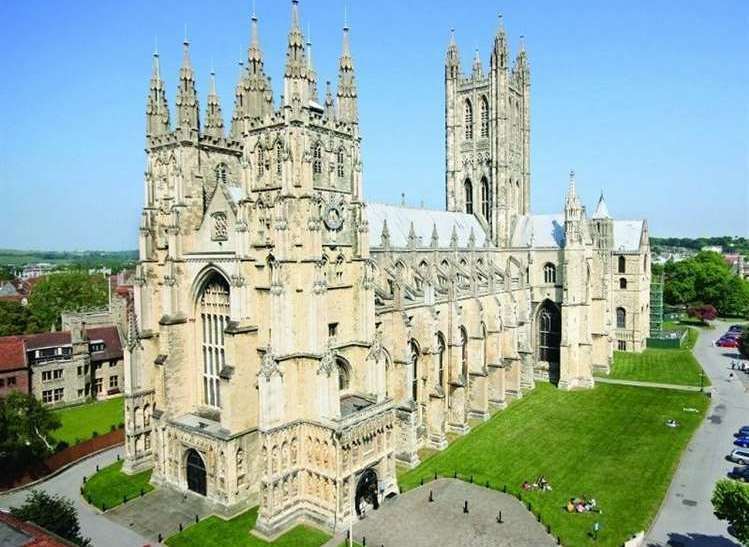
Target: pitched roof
(399, 219)
(47, 340)
(628, 234)
(112, 344)
(15, 532)
(539, 231)
(12, 353)
(602, 210)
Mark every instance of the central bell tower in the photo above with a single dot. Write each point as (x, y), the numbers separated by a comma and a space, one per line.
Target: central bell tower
(487, 138)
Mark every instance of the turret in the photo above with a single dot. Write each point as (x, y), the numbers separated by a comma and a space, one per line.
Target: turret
(347, 95)
(188, 117)
(254, 97)
(452, 59)
(329, 101)
(573, 214)
(157, 111)
(311, 74)
(499, 52)
(602, 225)
(214, 119)
(478, 71)
(295, 82)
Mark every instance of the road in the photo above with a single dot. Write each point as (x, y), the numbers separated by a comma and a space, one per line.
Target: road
(686, 518)
(102, 531)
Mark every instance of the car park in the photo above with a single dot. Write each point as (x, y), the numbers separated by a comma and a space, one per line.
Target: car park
(740, 473)
(739, 455)
(742, 442)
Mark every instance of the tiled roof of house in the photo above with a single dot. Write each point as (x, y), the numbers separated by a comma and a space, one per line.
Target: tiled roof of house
(47, 340)
(12, 353)
(111, 339)
(15, 532)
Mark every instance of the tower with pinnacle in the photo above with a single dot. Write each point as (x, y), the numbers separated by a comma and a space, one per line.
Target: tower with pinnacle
(487, 137)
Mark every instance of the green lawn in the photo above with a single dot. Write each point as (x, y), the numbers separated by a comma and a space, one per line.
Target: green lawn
(665, 366)
(79, 422)
(610, 443)
(215, 531)
(108, 487)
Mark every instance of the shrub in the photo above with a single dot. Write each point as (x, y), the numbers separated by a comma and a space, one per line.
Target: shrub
(62, 445)
(94, 433)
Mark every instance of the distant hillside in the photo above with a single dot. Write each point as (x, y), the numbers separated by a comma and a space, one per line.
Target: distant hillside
(89, 259)
(730, 244)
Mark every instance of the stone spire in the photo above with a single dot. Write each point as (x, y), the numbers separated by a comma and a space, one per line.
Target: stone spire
(452, 59)
(478, 71)
(499, 52)
(521, 62)
(573, 213)
(311, 74)
(295, 86)
(157, 111)
(347, 95)
(214, 119)
(253, 98)
(188, 111)
(329, 101)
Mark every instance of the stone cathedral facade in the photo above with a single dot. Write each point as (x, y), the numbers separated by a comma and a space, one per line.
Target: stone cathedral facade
(289, 342)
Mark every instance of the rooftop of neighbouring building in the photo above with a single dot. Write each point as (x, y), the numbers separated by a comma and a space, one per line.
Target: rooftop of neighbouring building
(12, 354)
(15, 532)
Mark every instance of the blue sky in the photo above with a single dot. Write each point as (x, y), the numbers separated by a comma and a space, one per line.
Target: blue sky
(646, 100)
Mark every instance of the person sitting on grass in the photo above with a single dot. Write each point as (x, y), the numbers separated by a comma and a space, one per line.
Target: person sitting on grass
(571, 506)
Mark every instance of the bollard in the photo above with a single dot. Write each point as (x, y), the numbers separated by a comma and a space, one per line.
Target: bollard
(504, 488)
(141, 492)
(435, 475)
(499, 517)
(548, 529)
(118, 457)
(104, 507)
(529, 506)
(471, 479)
(196, 519)
(559, 540)
(487, 484)
(180, 526)
(455, 474)
(84, 479)
(465, 507)
(364, 541)
(538, 516)
(422, 482)
(97, 467)
(431, 497)
(161, 538)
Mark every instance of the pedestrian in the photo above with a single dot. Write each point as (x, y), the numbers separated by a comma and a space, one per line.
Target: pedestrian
(596, 528)
(733, 364)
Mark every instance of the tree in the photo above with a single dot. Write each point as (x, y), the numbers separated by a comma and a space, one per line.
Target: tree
(704, 313)
(16, 318)
(25, 427)
(731, 503)
(54, 513)
(67, 291)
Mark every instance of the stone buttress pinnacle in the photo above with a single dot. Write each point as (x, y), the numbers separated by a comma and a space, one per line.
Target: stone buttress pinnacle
(214, 120)
(347, 93)
(295, 72)
(157, 110)
(188, 118)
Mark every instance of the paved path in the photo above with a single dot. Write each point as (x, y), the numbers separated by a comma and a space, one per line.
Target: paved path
(645, 384)
(102, 531)
(686, 518)
(409, 519)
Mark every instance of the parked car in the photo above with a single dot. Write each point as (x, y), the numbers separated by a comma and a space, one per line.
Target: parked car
(736, 328)
(743, 442)
(727, 343)
(739, 455)
(740, 473)
(743, 431)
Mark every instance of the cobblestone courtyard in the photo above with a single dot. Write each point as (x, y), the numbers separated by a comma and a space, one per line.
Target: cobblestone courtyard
(410, 519)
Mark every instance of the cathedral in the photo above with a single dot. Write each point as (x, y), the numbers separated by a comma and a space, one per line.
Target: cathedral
(289, 342)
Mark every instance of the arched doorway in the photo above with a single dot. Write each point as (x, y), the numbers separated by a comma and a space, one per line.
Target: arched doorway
(549, 327)
(195, 473)
(366, 491)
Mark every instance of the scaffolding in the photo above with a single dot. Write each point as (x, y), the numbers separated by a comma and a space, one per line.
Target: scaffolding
(656, 307)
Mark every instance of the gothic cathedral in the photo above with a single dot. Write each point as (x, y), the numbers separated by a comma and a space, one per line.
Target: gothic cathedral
(289, 342)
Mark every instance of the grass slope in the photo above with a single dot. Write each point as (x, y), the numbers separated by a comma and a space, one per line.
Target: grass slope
(609, 443)
(108, 487)
(215, 532)
(79, 422)
(664, 366)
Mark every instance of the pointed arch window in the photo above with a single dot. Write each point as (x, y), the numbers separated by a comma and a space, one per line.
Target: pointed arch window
(621, 318)
(317, 159)
(339, 166)
(464, 353)
(486, 210)
(484, 118)
(440, 358)
(414, 354)
(344, 375)
(468, 120)
(550, 273)
(260, 162)
(221, 173)
(279, 158)
(623, 283)
(214, 318)
(622, 264)
(469, 196)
